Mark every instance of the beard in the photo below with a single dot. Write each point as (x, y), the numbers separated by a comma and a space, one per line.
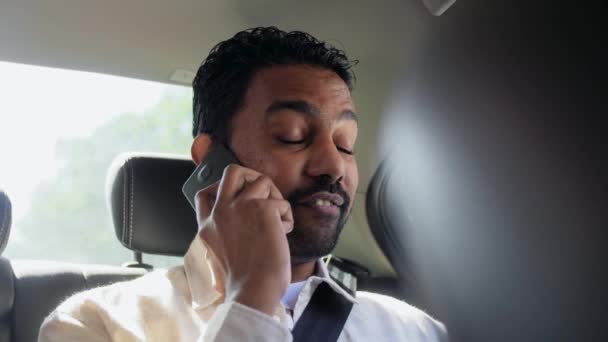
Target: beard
(315, 234)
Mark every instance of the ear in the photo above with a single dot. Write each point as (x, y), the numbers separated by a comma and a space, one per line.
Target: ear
(200, 147)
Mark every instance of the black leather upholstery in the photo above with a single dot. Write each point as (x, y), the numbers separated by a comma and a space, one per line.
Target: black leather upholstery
(381, 215)
(7, 299)
(5, 219)
(30, 290)
(385, 218)
(497, 193)
(7, 284)
(40, 286)
(149, 212)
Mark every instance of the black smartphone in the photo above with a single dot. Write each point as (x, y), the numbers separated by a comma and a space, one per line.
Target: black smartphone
(209, 171)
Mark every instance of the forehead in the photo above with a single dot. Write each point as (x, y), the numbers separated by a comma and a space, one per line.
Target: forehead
(318, 86)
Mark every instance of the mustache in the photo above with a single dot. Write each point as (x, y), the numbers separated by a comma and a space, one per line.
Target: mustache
(321, 185)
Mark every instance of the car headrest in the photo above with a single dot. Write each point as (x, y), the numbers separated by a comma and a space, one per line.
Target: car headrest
(149, 212)
(5, 219)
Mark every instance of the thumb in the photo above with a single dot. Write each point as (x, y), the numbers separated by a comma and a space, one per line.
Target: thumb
(286, 216)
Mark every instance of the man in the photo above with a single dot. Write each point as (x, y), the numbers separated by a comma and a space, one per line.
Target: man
(281, 103)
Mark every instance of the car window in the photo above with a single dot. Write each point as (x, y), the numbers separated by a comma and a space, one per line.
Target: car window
(59, 132)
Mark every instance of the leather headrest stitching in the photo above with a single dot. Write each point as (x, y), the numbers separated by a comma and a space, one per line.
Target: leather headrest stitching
(124, 207)
(165, 221)
(6, 219)
(131, 201)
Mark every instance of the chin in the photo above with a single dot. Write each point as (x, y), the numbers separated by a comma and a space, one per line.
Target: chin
(313, 239)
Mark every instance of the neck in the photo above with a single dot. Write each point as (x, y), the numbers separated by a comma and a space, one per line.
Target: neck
(301, 272)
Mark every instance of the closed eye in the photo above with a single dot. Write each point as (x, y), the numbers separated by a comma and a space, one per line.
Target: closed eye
(346, 151)
(292, 142)
(303, 141)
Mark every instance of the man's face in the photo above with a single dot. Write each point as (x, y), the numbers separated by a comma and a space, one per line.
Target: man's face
(297, 125)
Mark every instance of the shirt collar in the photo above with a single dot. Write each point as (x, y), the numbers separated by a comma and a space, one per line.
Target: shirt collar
(291, 294)
(322, 273)
(202, 282)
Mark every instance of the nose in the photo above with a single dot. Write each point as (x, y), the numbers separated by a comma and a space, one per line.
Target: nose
(326, 161)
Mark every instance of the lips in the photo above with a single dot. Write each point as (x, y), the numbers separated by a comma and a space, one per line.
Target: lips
(322, 199)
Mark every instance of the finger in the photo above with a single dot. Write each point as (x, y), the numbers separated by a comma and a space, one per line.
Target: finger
(275, 193)
(204, 201)
(258, 189)
(283, 212)
(233, 180)
(263, 187)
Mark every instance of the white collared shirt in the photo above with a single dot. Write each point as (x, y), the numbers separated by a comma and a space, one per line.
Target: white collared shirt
(289, 300)
(181, 304)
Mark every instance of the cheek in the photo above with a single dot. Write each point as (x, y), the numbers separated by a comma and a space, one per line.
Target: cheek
(351, 179)
(285, 173)
(284, 170)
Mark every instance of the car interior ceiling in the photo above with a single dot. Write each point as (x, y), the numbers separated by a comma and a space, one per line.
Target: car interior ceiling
(483, 160)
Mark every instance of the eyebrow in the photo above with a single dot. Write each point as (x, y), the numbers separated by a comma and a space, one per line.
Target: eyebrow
(305, 108)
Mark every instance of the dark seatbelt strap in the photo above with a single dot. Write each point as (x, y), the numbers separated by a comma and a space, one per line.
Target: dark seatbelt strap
(324, 316)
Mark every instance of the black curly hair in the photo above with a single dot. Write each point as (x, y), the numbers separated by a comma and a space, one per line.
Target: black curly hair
(222, 80)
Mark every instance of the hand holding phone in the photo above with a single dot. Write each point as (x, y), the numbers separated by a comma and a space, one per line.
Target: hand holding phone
(209, 171)
(243, 220)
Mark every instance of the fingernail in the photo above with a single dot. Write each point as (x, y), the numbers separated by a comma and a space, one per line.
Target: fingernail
(288, 227)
